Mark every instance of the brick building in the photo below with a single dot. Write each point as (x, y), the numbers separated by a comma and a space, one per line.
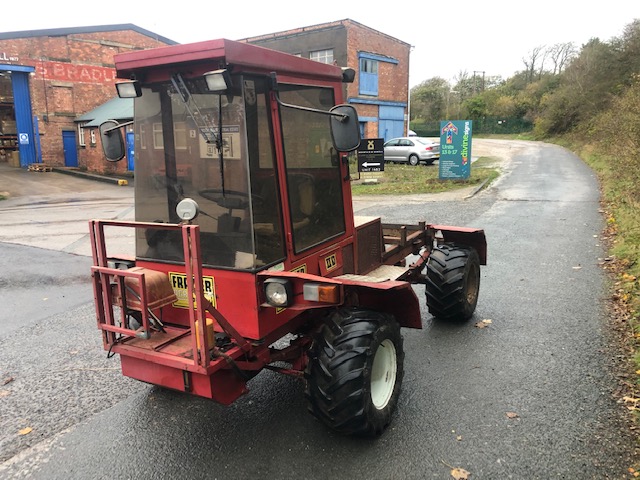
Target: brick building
(380, 91)
(56, 85)
(50, 77)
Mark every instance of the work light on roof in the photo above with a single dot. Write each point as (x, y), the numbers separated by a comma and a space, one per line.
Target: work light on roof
(130, 89)
(218, 80)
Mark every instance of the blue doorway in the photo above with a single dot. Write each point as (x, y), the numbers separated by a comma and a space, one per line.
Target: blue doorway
(130, 152)
(22, 112)
(391, 122)
(70, 149)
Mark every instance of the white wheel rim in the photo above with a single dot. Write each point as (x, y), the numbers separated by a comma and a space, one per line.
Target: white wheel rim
(383, 374)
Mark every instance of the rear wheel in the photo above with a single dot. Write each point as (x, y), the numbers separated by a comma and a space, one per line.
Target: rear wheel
(453, 282)
(413, 160)
(354, 377)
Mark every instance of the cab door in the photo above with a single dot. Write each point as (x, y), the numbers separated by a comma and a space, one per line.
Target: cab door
(314, 181)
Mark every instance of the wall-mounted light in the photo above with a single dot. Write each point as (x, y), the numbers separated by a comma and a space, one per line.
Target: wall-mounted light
(218, 80)
(129, 89)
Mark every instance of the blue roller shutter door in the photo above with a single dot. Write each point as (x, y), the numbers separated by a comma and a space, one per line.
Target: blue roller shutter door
(391, 122)
(24, 123)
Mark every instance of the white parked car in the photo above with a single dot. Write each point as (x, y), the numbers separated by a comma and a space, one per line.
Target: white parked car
(411, 150)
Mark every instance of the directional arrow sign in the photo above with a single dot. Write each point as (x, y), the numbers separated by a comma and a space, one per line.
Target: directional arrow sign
(449, 130)
(371, 155)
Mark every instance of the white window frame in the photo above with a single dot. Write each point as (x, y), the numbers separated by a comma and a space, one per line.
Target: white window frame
(81, 139)
(180, 135)
(322, 56)
(158, 141)
(143, 137)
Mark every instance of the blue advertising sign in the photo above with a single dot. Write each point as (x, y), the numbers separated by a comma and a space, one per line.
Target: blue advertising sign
(455, 149)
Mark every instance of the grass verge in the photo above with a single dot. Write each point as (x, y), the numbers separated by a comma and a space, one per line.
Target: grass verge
(620, 204)
(405, 179)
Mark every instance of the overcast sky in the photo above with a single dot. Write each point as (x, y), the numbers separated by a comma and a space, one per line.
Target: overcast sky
(487, 36)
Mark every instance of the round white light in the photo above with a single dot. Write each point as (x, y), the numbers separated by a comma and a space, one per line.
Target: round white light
(276, 294)
(187, 209)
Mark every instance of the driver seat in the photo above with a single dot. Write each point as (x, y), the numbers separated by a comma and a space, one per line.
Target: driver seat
(303, 201)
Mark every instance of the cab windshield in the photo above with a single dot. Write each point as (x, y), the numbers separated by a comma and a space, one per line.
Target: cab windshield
(212, 148)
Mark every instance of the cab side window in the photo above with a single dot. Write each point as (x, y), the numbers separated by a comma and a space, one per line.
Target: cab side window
(314, 183)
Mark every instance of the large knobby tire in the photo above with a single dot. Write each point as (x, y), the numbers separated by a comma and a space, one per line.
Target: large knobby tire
(354, 378)
(453, 282)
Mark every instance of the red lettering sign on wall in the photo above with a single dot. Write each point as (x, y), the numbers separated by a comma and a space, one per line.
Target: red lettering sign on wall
(68, 72)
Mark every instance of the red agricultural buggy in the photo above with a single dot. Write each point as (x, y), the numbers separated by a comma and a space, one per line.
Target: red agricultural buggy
(248, 255)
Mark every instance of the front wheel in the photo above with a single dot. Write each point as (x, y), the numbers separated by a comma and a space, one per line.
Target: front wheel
(453, 282)
(354, 377)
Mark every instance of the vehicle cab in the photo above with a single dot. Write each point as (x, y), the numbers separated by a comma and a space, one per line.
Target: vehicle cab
(238, 140)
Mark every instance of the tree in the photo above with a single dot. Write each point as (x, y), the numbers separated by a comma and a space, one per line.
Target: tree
(475, 108)
(584, 89)
(429, 99)
(464, 85)
(629, 56)
(504, 106)
(560, 55)
(530, 62)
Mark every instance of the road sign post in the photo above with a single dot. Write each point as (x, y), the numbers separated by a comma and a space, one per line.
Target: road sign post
(371, 155)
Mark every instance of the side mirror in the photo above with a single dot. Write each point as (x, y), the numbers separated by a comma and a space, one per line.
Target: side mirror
(345, 129)
(112, 141)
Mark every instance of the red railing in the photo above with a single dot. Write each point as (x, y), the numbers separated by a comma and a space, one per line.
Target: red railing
(109, 283)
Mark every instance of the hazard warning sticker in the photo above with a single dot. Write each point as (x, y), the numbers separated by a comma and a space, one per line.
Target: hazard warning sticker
(179, 284)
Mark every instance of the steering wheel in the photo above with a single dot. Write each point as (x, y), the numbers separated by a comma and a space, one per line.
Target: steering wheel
(230, 199)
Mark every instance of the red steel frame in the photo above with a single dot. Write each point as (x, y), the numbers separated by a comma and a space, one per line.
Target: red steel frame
(221, 377)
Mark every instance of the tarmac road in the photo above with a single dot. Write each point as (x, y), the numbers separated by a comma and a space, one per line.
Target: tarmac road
(530, 396)
(49, 213)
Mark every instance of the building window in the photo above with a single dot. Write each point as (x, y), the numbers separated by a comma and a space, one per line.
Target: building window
(180, 135)
(322, 56)
(368, 76)
(143, 137)
(158, 141)
(93, 136)
(81, 140)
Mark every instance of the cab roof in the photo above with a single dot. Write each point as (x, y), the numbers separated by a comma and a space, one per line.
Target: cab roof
(222, 53)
